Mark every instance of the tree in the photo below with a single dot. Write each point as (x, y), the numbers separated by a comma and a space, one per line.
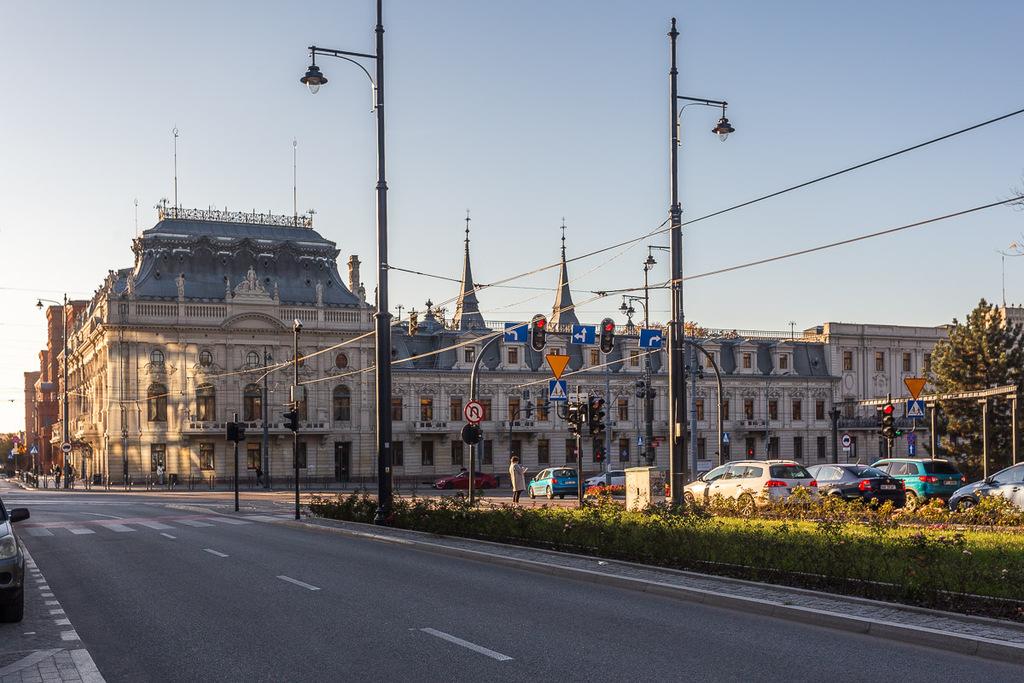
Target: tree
(982, 352)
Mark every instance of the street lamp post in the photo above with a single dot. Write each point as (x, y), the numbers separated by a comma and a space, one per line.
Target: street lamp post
(676, 362)
(313, 80)
(296, 328)
(264, 410)
(64, 401)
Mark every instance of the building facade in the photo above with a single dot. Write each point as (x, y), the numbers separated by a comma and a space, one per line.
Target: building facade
(200, 328)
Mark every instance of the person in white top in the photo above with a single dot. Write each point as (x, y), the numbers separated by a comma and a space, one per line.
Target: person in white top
(517, 473)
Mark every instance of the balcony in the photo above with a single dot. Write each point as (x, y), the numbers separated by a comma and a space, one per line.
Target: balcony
(872, 423)
(520, 425)
(253, 428)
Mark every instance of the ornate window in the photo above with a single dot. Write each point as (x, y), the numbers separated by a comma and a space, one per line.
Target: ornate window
(426, 408)
(252, 403)
(157, 456)
(341, 361)
(206, 403)
(156, 403)
(206, 456)
(156, 357)
(342, 404)
(252, 359)
(205, 359)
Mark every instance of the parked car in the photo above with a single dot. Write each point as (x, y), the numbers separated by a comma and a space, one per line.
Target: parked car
(751, 481)
(924, 478)
(1008, 483)
(12, 565)
(554, 481)
(859, 482)
(461, 481)
(611, 478)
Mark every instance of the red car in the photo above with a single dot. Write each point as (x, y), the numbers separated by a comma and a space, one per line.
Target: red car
(461, 481)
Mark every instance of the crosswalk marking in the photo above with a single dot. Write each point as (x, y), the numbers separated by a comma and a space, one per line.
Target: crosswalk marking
(229, 520)
(78, 531)
(117, 527)
(87, 527)
(40, 532)
(193, 522)
(262, 518)
(155, 525)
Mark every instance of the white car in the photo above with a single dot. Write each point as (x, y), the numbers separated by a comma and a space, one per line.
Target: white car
(615, 477)
(751, 480)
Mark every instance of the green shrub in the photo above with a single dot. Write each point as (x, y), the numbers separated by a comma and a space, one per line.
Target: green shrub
(850, 548)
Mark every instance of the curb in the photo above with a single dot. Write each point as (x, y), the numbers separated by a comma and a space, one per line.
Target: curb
(918, 635)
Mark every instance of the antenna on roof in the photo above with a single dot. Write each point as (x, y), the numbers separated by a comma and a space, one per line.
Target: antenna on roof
(295, 196)
(175, 131)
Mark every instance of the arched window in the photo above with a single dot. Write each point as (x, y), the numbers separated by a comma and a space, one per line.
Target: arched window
(156, 403)
(252, 403)
(205, 359)
(342, 404)
(156, 357)
(252, 359)
(206, 403)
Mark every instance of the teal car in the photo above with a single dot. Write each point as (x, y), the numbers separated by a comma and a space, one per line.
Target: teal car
(924, 478)
(554, 481)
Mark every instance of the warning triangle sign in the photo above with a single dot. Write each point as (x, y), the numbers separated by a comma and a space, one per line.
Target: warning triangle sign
(914, 385)
(557, 364)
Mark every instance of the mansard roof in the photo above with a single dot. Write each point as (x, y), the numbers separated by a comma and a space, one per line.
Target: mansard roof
(220, 254)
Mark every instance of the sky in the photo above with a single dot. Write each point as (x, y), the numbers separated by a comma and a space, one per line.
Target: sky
(524, 113)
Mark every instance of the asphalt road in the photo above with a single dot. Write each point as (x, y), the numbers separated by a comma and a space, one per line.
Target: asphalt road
(184, 589)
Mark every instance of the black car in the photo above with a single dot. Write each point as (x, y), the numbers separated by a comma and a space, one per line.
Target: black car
(12, 565)
(858, 482)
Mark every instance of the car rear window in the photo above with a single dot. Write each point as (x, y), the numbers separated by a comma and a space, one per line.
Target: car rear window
(563, 473)
(864, 472)
(789, 472)
(940, 467)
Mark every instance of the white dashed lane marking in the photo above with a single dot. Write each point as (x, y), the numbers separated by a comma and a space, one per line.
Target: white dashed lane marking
(305, 585)
(466, 644)
(169, 536)
(215, 552)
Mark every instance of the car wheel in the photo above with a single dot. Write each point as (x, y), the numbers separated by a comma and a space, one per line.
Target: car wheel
(965, 504)
(747, 505)
(15, 611)
(561, 496)
(533, 496)
(549, 493)
(912, 501)
(688, 498)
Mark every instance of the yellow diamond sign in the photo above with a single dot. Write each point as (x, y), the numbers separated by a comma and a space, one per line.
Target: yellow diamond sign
(914, 385)
(557, 364)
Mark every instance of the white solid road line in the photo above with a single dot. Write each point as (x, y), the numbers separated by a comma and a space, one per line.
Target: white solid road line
(214, 552)
(299, 583)
(466, 644)
(169, 536)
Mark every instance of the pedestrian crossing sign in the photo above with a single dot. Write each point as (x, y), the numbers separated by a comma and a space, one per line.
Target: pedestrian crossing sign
(557, 390)
(915, 408)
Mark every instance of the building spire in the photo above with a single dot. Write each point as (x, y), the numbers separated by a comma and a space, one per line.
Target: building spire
(467, 309)
(564, 311)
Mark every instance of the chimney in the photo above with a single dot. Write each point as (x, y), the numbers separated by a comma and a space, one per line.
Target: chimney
(353, 273)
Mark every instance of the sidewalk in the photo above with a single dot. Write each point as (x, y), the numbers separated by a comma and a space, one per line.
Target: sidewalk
(43, 666)
(980, 636)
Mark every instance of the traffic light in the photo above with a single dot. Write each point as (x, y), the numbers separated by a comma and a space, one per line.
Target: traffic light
(529, 410)
(291, 420)
(236, 431)
(750, 452)
(538, 330)
(889, 421)
(595, 416)
(598, 452)
(641, 388)
(607, 335)
(573, 418)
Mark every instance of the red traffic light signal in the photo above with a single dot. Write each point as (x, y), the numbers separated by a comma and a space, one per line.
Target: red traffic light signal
(538, 332)
(750, 452)
(607, 335)
(888, 409)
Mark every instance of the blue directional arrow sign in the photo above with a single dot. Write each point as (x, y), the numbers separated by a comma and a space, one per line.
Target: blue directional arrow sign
(915, 408)
(651, 339)
(557, 390)
(583, 334)
(515, 332)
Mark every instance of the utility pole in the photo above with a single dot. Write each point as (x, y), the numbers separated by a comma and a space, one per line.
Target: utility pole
(833, 415)
(693, 412)
(235, 420)
(296, 328)
(676, 371)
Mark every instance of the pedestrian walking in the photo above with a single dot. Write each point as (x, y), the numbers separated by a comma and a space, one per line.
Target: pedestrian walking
(259, 475)
(56, 476)
(517, 474)
(160, 473)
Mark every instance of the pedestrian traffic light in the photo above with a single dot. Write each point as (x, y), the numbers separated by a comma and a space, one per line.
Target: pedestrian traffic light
(538, 331)
(595, 416)
(598, 452)
(291, 419)
(750, 452)
(607, 335)
(889, 421)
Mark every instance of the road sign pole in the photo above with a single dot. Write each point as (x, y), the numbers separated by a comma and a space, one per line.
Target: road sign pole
(579, 459)
(235, 418)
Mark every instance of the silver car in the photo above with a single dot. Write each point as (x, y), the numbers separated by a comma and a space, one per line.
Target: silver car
(12, 565)
(1008, 483)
